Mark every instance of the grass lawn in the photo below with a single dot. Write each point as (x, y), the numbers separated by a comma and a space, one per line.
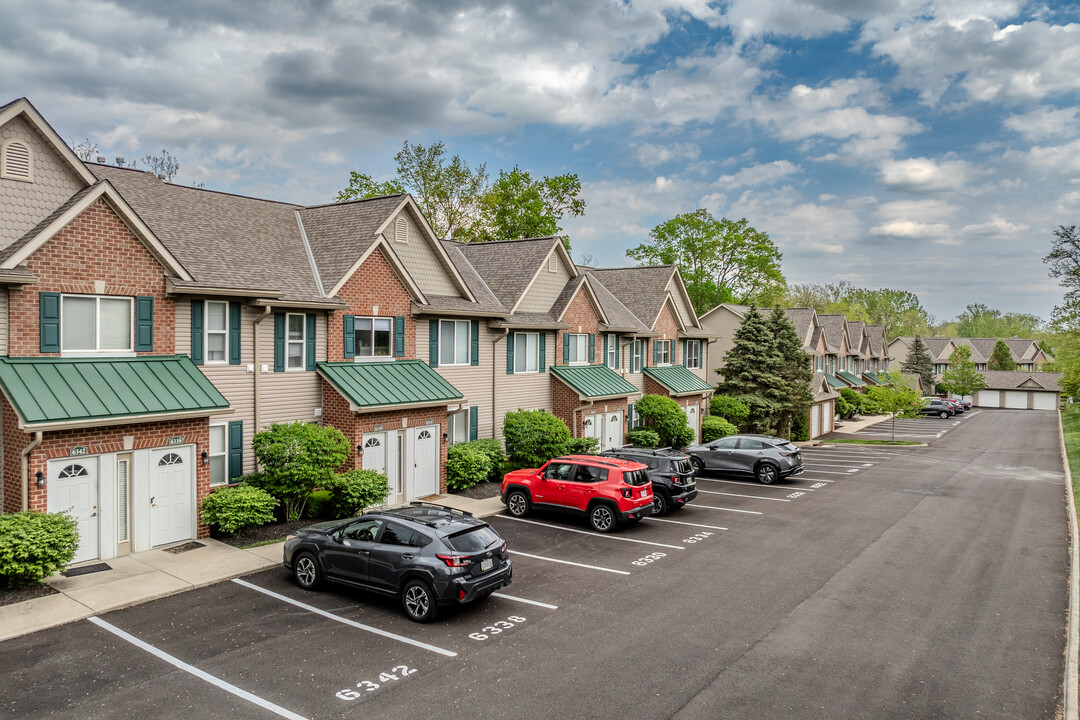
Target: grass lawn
(1070, 423)
(855, 441)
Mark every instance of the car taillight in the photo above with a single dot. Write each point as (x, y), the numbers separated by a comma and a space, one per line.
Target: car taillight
(627, 492)
(676, 479)
(787, 454)
(455, 560)
(289, 537)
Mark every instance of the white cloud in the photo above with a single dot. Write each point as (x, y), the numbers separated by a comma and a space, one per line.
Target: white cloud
(765, 174)
(1044, 123)
(995, 227)
(924, 175)
(913, 230)
(649, 155)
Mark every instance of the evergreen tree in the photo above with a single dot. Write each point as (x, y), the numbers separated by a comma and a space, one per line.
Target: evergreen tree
(962, 378)
(920, 363)
(795, 370)
(751, 373)
(1001, 358)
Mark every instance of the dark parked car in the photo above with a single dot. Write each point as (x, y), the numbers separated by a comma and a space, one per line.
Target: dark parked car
(672, 474)
(937, 406)
(424, 554)
(764, 457)
(965, 403)
(957, 405)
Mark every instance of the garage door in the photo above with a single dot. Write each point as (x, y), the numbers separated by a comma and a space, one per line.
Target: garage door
(828, 411)
(815, 421)
(1045, 401)
(988, 398)
(1016, 399)
(73, 488)
(172, 496)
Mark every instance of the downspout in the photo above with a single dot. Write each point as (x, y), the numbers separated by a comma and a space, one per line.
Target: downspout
(258, 373)
(26, 469)
(495, 381)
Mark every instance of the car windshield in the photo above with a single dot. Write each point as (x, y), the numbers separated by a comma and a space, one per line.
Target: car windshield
(474, 539)
(681, 465)
(635, 477)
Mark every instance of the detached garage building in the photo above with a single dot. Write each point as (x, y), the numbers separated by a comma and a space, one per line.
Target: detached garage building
(1020, 390)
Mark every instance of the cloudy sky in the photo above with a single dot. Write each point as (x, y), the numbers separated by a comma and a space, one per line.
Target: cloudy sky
(930, 146)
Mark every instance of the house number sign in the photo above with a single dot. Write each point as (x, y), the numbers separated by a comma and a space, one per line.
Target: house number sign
(78, 450)
(176, 440)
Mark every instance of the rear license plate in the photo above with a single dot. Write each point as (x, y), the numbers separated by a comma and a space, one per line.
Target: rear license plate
(486, 565)
(643, 492)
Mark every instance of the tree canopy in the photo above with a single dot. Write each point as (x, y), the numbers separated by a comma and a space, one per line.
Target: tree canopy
(519, 206)
(720, 260)
(897, 396)
(899, 311)
(962, 378)
(1001, 358)
(751, 373)
(920, 363)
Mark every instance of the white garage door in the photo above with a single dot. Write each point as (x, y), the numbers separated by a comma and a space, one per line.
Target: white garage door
(988, 398)
(172, 496)
(815, 421)
(73, 488)
(1016, 399)
(829, 411)
(1045, 401)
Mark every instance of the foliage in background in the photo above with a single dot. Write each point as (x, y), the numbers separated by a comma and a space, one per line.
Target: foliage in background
(962, 378)
(898, 397)
(899, 311)
(496, 457)
(795, 368)
(643, 438)
(466, 466)
(751, 373)
(714, 428)
(1001, 358)
(533, 437)
(845, 409)
(297, 458)
(231, 509)
(518, 206)
(730, 409)
(800, 428)
(919, 362)
(34, 545)
(663, 416)
(582, 446)
(354, 491)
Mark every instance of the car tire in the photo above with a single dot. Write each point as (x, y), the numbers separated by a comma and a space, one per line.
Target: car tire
(518, 503)
(418, 601)
(699, 466)
(306, 571)
(660, 504)
(943, 414)
(602, 518)
(766, 473)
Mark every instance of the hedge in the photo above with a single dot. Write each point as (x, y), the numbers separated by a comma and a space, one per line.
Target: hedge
(356, 490)
(466, 466)
(34, 545)
(643, 438)
(533, 437)
(231, 509)
(730, 409)
(664, 416)
(714, 428)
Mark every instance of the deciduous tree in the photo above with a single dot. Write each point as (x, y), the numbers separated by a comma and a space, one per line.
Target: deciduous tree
(363, 186)
(897, 396)
(520, 206)
(962, 378)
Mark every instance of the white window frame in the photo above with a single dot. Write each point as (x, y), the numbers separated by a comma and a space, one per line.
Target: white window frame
(302, 342)
(457, 325)
(667, 355)
(457, 422)
(693, 354)
(612, 359)
(208, 332)
(224, 453)
(579, 341)
(637, 355)
(390, 348)
(83, 352)
(530, 356)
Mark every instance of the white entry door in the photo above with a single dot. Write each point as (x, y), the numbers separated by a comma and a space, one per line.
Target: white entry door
(172, 496)
(815, 421)
(613, 435)
(423, 457)
(692, 420)
(73, 487)
(592, 425)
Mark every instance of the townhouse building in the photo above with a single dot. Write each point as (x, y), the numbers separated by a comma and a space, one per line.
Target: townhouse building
(149, 330)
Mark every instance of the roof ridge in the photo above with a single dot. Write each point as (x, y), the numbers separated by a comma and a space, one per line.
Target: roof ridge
(353, 202)
(197, 189)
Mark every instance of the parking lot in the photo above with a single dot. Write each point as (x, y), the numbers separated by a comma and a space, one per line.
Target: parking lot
(918, 429)
(753, 601)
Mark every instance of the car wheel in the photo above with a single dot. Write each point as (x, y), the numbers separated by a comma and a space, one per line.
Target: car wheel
(699, 466)
(660, 504)
(517, 503)
(943, 414)
(766, 473)
(602, 518)
(418, 601)
(306, 571)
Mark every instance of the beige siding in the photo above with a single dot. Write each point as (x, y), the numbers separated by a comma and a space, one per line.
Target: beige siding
(521, 391)
(420, 260)
(686, 314)
(546, 288)
(3, 321)
(472, 381)
(290, 396)
(23, 205)
(724, 323)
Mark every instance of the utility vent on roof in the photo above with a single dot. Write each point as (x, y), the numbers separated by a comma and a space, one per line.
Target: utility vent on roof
(16, 161)
(401, 230)
(553, 263)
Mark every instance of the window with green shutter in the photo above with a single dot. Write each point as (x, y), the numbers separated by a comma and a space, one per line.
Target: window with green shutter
(309, 345)
(399, 336)
(433, 343)
(236, 449)
(279, 342)
(144, 324)
(474, 421)
(474, 355)
(234, 332)
(198, 317)
(49, 306)
(349, 336)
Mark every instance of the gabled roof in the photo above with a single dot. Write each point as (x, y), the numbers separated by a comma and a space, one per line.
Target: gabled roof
(485, 298)
(340, 233)
(642, 290)
(738, 311)
(856, 336)
(834, 328)
(619, 317)
(594, 382)
(23, 107)
(509, 266)
(803, 319)
(821, 388)
(1022, 349)
(1013, 379)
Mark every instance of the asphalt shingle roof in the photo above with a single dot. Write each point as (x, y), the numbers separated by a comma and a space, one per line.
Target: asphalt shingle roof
(643, 290)
(339, 234)
(833, 326)
(508, 266)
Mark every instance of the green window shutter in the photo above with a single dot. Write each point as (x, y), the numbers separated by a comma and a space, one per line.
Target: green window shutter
(236, 449)
(399, 336)
(198, 317)
(433, 343)
(234, 333)
(349, 326)
(49, 303)
(684, 344)
(279, 342)
(144, 324)
(630, 416)
(309, 345)
(592, 347)
(510, 342)
(603, 357)
(618, 355)
(656, 351)
(474, 354)
(566, 348)
(542, 347)
(474, 421)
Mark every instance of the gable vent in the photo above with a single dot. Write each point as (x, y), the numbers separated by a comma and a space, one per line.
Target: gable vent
(401, 230)
(553, 263)
(16, 161)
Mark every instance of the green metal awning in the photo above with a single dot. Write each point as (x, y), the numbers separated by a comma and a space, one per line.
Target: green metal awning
(55, 393)
(678, 380)
(401, 383)
(852, 380)
(834, 381)
(594, 381)
(872, 377)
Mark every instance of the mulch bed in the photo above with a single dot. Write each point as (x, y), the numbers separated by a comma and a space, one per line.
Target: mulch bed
(30, 592)
(481, 491)
(263, 533)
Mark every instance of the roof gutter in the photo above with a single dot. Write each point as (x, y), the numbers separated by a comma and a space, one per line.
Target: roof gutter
(258, 373)
(495, 376)
(26, 468)
(329, 304)
(129, 420)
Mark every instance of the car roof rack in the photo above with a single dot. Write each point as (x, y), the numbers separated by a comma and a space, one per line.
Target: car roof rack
(421, 503)
(598, 459)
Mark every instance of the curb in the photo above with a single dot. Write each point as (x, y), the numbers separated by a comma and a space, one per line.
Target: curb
(1071, 645)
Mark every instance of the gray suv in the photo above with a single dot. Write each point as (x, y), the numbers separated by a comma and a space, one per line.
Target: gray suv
(763, 457)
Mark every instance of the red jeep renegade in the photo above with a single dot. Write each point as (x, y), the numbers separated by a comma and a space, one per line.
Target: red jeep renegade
(607, 490)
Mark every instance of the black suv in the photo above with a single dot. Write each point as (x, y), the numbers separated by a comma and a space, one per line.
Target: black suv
(425, 554)
(671, 472)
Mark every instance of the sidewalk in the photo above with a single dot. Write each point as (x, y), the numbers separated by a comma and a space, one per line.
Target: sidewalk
(845, 427)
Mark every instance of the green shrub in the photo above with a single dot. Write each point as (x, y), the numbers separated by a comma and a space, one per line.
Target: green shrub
(845, 409)
(581, 446)
(800, 428)
(297, 458)
(868, 405)
(730, 409)
(643, 438)
(493, 449)
(320, 505)
(714, 428)
(533, 437)
(850, 396)
(231, 509)
(356, 490)
(34, 545)
(466, 466)
(664, 416)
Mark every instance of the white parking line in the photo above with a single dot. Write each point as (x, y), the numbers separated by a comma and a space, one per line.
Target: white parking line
(812, 479)
(755, 497)
(567, 562)
(537, 603)
(828, 472)
(205, 676)
(821, 463)
(345, 621)
(759, 486)
(714, 507)
(680, 522)
(594, 534)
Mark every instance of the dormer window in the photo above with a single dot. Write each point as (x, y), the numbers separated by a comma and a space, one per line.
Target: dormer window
(16, 161)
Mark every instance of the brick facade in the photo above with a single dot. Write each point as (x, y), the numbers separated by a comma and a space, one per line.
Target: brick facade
(581, 316)
(373, 285)
(566, 400)
(95, 247)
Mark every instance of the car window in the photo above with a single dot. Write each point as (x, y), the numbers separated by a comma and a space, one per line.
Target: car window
(474, 539)
(750, 444)
(727, 443)
(682, 465)
(635, 477)
(787, 447)
(363, 531)
(394, 534)
(559, 471)
(589, 473)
